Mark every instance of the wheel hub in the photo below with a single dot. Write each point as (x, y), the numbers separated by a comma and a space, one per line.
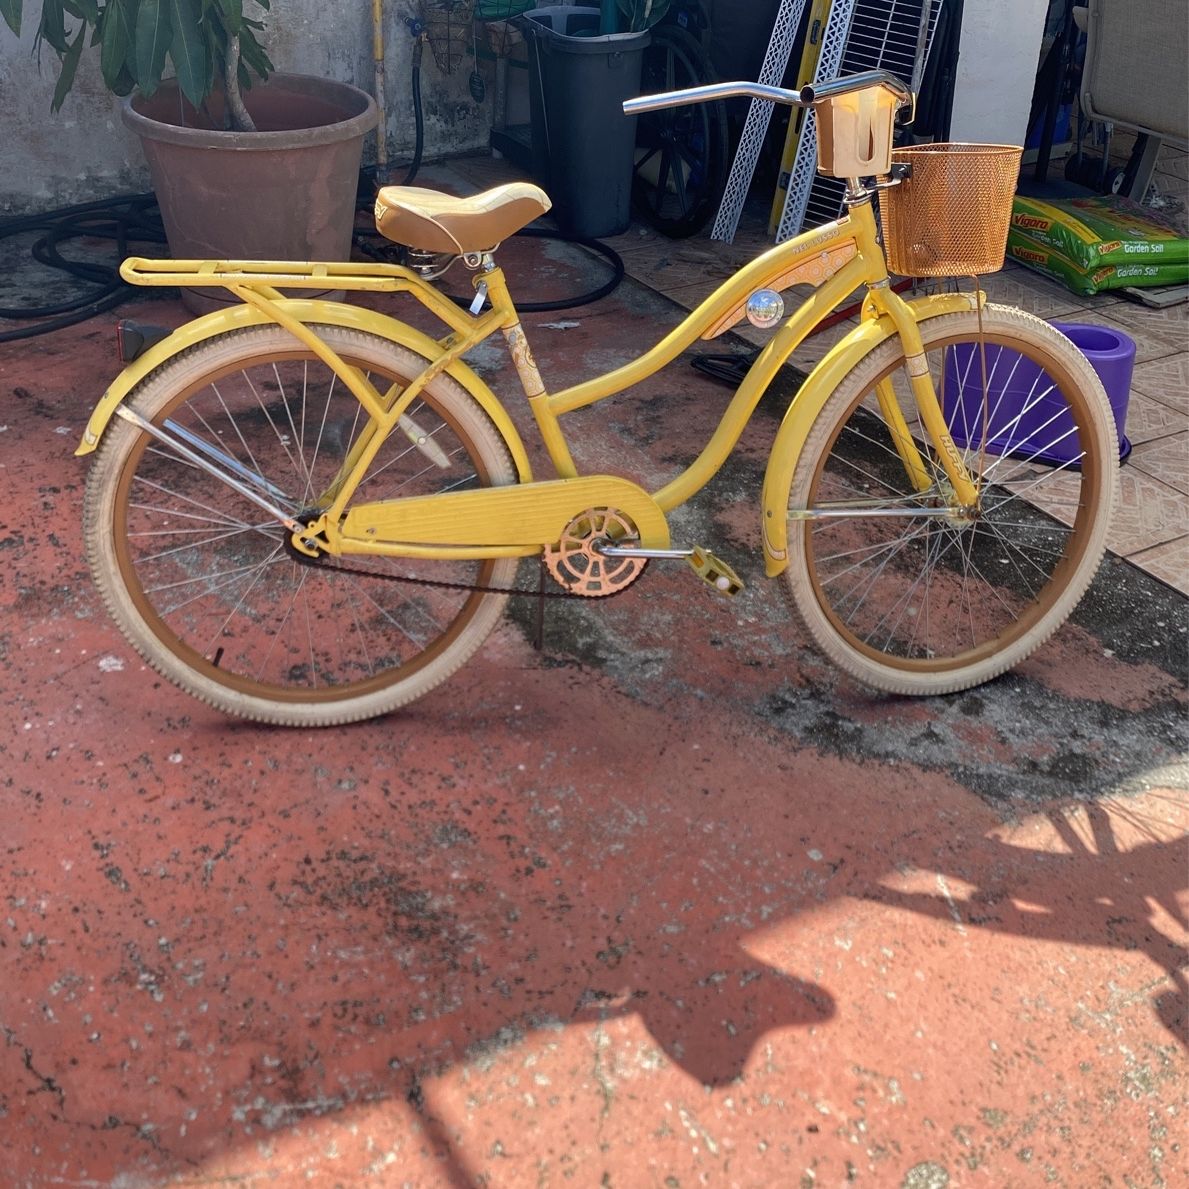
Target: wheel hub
(959, 515)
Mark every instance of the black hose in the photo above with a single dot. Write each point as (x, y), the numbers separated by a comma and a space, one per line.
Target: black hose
(418, 117)
(386, 251)
(594, 245)
(125, 219)
(370, 173)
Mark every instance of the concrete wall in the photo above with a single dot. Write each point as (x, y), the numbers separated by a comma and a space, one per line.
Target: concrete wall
(84, 153)
(1000, 54)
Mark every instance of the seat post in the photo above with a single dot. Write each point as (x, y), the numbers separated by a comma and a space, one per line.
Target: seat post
(526, 367)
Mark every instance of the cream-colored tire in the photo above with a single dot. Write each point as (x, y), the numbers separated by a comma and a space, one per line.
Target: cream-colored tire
(200, 579)
(916, 603)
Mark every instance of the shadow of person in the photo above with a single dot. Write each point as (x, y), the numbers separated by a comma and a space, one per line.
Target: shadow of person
(713, 1026)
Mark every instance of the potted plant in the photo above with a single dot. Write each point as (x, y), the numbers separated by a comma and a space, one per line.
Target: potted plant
(638, 14)
(245, 162)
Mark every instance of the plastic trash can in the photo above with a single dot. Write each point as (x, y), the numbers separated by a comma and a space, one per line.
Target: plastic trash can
(1015, 383)
(583, 146)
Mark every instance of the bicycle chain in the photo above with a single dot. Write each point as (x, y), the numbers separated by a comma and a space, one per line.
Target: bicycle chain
(443, 584)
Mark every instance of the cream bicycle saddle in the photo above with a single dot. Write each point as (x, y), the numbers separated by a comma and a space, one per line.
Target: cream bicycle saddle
(436, 222)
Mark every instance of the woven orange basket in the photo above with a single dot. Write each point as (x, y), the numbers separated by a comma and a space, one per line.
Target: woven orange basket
(950, 219)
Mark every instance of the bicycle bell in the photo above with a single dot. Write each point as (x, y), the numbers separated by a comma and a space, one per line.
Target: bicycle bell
(765, 308)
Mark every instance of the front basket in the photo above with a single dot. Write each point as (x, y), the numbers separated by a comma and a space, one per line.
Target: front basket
(951, 217)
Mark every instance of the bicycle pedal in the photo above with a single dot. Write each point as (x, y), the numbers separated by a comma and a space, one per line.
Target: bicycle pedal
(714, 572)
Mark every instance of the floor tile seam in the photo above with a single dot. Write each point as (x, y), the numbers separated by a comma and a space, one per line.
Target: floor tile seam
(1135, 555)
(1137, 561)
(713, 283)
(1181, 431)
(1183, 538)
(628, 253)
(1161, 332)
(1164, 403)
(1181, 490)
(1154, 565)
(1143, 363)
(1137, 439)
(1172, 351)
(1158, 437)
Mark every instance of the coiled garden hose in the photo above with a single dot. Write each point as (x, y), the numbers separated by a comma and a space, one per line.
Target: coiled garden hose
(123, 220)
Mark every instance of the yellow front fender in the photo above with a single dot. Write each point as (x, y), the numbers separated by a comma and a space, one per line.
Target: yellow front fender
(323, 312)
(808, 403)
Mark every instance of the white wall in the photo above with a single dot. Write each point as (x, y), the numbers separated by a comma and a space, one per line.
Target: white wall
(997, 66)
(84, 153)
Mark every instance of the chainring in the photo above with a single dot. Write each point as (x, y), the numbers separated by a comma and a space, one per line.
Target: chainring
(575, 563)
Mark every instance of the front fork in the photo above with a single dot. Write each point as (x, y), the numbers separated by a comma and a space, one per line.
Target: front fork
(883, 300)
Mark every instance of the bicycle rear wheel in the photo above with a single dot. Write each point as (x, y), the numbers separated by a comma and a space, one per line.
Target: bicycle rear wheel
(681, 153)
(912, 598)
(200, 579)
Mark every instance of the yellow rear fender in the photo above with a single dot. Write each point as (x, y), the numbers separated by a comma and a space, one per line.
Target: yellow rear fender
(809, 402)
(322, 312)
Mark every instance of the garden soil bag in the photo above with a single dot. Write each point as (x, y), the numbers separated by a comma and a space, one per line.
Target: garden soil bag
(1095, 243)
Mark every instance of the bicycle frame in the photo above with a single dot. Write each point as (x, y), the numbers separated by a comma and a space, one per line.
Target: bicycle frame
(836, 259)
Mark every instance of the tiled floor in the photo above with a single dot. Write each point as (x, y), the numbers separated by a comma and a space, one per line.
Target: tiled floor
(1151, 527)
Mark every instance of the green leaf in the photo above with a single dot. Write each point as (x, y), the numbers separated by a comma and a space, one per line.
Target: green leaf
(187, 48)
(151, 44)
(252, 54)
(53, 25)
(214, 54)
(10, 10)
(117, 36)
(69, 67)
(233, 14)
(85, 10)
(125, 84)
(642, 14)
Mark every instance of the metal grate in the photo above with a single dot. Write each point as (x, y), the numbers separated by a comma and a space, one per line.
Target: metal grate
(890, 35)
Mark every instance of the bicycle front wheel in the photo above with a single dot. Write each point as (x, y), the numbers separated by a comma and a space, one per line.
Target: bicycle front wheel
(904, 590)
(200, 579)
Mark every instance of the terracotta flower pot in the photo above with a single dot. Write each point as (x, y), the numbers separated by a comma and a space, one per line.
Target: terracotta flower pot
(284, 192)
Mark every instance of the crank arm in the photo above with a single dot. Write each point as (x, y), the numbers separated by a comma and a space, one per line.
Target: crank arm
(711, 569)
(606, 549)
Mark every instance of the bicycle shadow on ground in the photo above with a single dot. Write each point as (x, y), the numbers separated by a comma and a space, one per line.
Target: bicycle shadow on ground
(220, 949)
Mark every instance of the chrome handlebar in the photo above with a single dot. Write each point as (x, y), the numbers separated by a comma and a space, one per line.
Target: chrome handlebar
(807, 96)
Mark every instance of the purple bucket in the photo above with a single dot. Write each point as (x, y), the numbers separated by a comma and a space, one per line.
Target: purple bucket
(1016, 383)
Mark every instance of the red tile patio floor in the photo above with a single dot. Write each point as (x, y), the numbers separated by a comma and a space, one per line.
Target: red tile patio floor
(669, 904)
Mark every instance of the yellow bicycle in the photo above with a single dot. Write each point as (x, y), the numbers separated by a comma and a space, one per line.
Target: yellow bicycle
(306, 512)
